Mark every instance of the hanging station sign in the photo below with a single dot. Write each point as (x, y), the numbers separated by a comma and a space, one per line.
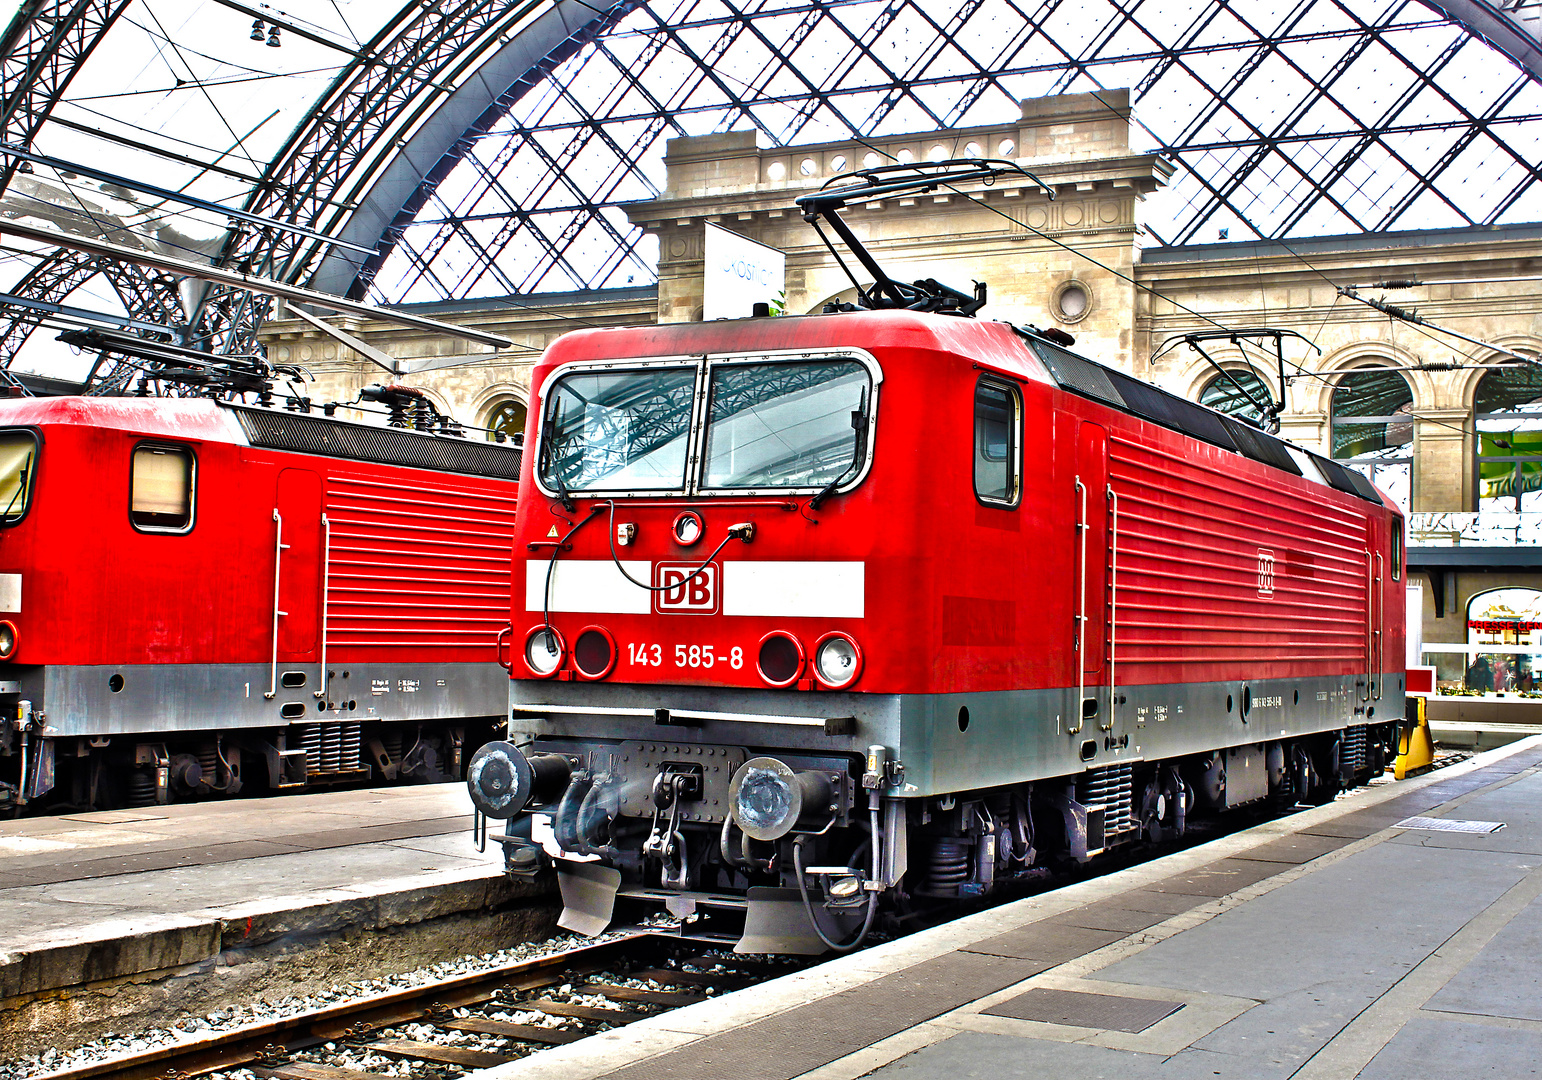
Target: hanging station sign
(739, 273)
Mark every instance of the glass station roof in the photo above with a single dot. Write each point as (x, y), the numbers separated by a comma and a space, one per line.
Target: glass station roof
(1317, 117)
(1303, 119)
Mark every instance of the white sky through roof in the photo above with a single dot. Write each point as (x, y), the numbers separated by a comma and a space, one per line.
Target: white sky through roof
(1322, 117)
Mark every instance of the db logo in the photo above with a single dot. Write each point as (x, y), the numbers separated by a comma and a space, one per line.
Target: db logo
(684, 590)
(1265, 572)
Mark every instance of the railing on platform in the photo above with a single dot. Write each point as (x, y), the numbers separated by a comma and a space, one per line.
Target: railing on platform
(1487, 529)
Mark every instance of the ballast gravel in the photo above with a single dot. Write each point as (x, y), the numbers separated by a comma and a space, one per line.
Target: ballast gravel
(115, 1045)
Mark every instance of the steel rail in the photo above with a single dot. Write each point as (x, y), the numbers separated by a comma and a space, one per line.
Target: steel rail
(230, 1049)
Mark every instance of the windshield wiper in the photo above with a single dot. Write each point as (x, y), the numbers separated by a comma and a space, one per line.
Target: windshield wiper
(858, 452)
(547, 460)
(22, 479)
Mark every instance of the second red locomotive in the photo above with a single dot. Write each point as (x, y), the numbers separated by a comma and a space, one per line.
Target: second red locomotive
(198, 597)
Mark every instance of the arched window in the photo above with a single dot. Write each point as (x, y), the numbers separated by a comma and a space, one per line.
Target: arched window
(1225, 393)
(506, 421)
(1508, 415)
(1373, 430)
(1503, 618)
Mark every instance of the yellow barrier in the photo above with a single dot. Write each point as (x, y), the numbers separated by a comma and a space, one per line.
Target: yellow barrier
(1415, 746)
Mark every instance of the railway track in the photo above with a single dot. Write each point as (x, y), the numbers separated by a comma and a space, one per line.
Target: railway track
(468, 1022)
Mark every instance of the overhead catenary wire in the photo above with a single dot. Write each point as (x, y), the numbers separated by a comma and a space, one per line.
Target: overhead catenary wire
(177, 49)
(193, 84)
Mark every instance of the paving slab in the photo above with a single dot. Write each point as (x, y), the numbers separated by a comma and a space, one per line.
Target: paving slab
(1442, 1048)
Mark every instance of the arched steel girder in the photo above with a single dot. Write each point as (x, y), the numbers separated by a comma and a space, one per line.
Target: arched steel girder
(396, 120)
(147, 295)
(1497, 27)
(44, 46)
(391, 127)
(380, 203)
(42, 49)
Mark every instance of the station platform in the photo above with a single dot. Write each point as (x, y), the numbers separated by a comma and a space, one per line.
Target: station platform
(1343, 941)
(105, 912)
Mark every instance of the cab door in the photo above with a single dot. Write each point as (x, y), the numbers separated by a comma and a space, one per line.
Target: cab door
(297, 524)
(1093, 552)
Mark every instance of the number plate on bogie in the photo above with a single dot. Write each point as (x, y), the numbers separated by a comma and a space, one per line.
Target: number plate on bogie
(640, 762)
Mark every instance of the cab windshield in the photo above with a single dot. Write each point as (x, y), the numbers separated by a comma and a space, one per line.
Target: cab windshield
(618, 430)
(766, 424)
(784, 425)
(18, 467)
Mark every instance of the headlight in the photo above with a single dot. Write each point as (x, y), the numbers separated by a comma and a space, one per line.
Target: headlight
(781, 657)
(594, 652)
(837, 661)
(7, 638)
(544, 650)
(766, 798)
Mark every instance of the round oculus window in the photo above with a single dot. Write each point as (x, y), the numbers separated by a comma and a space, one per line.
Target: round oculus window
(1072, 302)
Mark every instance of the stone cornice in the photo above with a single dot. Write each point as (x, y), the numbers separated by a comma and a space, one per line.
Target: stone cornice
(1132, 175)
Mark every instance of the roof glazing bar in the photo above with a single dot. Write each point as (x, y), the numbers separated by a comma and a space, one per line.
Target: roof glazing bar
(174, 196)
(249, 282)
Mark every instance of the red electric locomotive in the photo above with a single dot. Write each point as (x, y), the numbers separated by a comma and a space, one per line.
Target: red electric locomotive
(814, 611)
(199, 597)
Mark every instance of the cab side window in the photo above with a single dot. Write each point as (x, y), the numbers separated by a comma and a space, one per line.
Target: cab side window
(161, 488)
(998, 450)
(18, 467)
(1397, 548)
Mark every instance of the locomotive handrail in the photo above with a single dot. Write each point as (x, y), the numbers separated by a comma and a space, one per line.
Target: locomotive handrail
(326, 583)
(1113, 596)
(1377, 639)
(498, 649)
(1370, 626)
(278, 559)
(1081, 617)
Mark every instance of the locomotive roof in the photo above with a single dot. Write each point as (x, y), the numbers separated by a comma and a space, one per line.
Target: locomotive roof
(1011, 349)
(211, 421)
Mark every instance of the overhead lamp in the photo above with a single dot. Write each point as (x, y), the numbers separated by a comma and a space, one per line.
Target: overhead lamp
(273, 41)
(256, 29)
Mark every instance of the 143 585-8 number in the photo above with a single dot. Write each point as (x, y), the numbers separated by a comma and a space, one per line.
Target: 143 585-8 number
(645, 654)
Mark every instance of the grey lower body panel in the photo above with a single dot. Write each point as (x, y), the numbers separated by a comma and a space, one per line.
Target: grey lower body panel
(89, 700)
(1012, 736)
(961, 742)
